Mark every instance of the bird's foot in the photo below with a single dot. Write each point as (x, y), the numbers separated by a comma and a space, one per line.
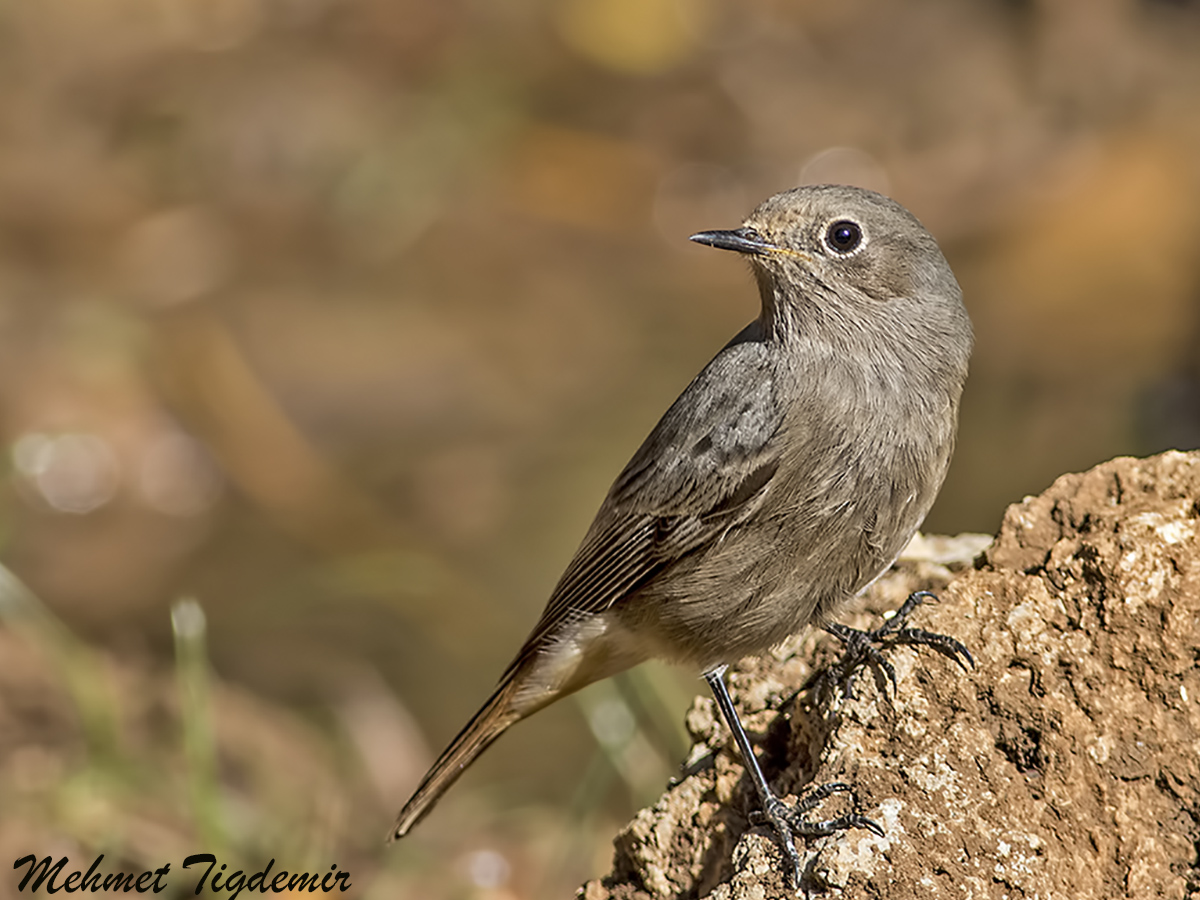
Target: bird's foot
(788, 822)
(864, 647)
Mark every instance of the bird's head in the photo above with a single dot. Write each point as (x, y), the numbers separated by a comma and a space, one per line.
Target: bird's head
(838, 244)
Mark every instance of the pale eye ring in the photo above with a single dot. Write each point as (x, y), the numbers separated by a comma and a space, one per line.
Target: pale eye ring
(843, 236)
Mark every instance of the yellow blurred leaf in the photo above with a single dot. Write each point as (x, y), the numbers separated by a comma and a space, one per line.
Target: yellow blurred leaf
(640, 37)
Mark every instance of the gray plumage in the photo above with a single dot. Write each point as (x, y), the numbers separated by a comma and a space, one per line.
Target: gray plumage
(787, 476)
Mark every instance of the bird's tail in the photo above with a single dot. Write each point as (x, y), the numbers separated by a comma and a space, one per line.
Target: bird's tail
(493, 718)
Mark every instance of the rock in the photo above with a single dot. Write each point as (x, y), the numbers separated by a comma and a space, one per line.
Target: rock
(1066, 765)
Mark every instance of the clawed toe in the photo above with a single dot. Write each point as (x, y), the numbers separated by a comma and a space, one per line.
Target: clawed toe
(863, 648)
(788, 822)
(806, 828)
(861, 651)
(942, 643)
(777, 814)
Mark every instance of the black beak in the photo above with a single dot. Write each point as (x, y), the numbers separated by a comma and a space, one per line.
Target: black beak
(743, 240)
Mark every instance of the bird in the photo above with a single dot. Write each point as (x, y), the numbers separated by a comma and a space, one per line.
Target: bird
(787, 476)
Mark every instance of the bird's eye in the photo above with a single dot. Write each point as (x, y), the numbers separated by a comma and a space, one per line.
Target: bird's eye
(843, 236)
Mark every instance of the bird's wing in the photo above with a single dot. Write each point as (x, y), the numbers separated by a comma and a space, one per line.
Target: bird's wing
(698, 474)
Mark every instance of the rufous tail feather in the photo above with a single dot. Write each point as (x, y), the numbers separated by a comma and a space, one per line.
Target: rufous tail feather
(493, 718)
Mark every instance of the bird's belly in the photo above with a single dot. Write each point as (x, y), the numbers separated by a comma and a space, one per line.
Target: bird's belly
(759, 585)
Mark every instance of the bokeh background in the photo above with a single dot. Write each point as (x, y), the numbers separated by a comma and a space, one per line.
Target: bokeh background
(328, 322)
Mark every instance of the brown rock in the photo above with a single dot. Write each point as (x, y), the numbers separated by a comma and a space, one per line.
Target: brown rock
(1066, 765)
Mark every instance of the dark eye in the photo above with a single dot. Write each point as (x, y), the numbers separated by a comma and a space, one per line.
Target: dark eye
(843, 236)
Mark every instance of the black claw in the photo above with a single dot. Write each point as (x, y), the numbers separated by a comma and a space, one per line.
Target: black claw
(832, 826)
(863, 647)
(788, 822)
(777, 814)
(805, 828)
(942, 643)
(870, 825)
(854, 820)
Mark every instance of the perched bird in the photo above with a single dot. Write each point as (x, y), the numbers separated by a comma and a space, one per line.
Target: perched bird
(786, 477)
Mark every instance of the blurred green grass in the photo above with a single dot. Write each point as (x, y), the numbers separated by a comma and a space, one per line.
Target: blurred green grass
(148, 766)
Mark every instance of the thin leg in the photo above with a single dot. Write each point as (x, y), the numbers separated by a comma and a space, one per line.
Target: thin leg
(785, 821)
(863, 647)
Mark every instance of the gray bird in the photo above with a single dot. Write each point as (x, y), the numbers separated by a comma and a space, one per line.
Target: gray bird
(788, 475)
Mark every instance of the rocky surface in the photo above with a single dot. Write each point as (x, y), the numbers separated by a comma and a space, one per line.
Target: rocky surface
(1066, 765)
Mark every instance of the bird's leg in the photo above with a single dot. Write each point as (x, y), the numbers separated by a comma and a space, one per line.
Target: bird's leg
(787, 822)
(863, 647)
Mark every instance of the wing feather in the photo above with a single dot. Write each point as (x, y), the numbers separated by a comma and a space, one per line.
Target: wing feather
(698, 474)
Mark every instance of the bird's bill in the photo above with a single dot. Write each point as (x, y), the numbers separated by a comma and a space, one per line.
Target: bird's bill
(746, 240)
(743, 240)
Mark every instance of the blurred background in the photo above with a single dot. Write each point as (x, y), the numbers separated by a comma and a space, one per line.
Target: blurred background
(327, 323)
